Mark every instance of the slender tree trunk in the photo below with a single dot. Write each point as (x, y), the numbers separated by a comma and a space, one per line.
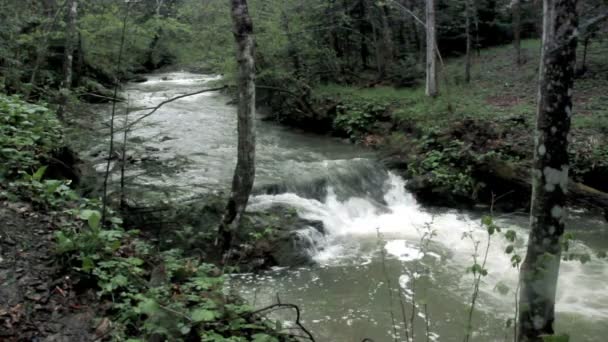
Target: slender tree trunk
(516, 7)
(159, 5)
(291, 45)
(431, 48)
(71, 36)
(585, 48)
(386, 48)
(244, 174)
(363, 30)
(539, 271)
(467, 67)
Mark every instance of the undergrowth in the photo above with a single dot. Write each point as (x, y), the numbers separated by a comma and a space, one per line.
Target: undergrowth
(144, 293)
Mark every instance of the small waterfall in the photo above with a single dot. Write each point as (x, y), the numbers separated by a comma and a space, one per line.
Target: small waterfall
(357, 200)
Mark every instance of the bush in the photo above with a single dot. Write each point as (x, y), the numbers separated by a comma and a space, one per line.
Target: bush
(28, 135)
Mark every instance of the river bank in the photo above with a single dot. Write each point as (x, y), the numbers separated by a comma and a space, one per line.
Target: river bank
(67, 275)
(367, 214)
(472, 143)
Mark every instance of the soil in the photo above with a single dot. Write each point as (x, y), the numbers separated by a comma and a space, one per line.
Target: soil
(38, 301)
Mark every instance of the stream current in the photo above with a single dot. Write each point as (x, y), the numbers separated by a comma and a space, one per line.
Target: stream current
(374, 266)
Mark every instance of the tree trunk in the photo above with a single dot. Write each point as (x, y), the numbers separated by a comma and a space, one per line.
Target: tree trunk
(516, 7)
(467, 67)
(363, 30)
(540, 268)
(244, 174)
(585, 48)
(386, 48)
(431, 58)
(291, 46)
(159, 5)
(71, 35)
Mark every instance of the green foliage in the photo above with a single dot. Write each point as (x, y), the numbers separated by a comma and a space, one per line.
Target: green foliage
(357, 118)
(557, 338)
(445, 166)
(48, 194)
(28, 135)
(152, 293)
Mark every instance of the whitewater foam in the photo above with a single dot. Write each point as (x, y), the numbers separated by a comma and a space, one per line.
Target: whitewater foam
(353, 222)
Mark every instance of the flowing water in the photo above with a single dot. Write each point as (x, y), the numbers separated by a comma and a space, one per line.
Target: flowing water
(376, 268)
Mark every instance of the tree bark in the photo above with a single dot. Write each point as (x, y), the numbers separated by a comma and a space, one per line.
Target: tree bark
(539, 271)
(363, 30)
(244, 174)
(467, 66)
(431, 49)
(386, 48)
(71, 35)
(159, 5)
(516, 8)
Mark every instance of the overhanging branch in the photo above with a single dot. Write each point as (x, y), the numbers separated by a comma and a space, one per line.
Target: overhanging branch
(154, 109)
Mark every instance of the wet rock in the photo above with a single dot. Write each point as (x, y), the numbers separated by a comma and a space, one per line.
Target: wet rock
(139, 79)
(274, 236)
(151, 149)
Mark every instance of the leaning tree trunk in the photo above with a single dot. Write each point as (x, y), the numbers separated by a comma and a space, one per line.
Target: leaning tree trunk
(431, 49)
(71, 35)
(244, 173)
(467, 66)
(540, 268)
(516, 8)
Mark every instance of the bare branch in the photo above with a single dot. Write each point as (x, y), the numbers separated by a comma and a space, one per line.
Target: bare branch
(585, 26)
(286, 306)
(154, 109)
(408, 11)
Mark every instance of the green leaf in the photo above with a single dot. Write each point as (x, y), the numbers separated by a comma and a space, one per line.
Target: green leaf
(509, 249)
(37, 176)
(87, 264)
(94, 220)
(511, 235)
(92, 216)
(486, 220)
(203, 315)
(556, 338)
(120, 280)
(148, 306)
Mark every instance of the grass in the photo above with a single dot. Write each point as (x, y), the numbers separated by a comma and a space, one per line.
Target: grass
(499, 89)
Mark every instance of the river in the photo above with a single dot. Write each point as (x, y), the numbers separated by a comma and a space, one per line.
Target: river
(374, 266)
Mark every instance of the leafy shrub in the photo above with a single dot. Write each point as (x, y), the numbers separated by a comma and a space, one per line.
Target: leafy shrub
(445, 166)
(358, 117)
(28, 134)
(406, 72)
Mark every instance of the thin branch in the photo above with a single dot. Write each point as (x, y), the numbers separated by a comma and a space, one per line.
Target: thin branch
(584, 27)
(154, 109)
(286, 306)
(408, 11)
(118, 66)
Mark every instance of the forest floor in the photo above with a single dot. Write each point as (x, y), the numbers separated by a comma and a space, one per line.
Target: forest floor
(36, 299)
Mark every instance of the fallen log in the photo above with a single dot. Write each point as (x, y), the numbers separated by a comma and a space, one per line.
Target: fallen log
(519, 175)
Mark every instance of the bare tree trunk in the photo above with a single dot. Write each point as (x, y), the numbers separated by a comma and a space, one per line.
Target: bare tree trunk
(159, 4)
(539, 271)
(363, 30)
(431, 48)
(386, 48)
(70, 44)
(467, 67)
(292, 50)
(244, 174)
(516, 8)
(583, 68)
